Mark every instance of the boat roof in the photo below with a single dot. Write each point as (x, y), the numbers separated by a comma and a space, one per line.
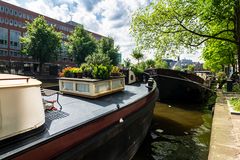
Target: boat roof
(10, 80)
(76, 111)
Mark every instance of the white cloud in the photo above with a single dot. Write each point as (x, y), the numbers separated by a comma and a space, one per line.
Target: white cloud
(107, 17)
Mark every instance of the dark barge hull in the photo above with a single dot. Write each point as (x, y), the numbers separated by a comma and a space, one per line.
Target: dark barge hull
(116, 135)
(180, 87)
(119, 142)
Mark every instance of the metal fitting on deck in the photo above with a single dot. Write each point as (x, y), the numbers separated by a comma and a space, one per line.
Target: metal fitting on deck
(150, 83)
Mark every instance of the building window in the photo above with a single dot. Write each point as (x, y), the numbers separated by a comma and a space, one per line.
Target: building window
(6, 21)
(3, 37)
(3, 52)
(20, 14)
(2, 9)
(15, 13)
(2, 20)
(15, 23)
(11, 11)
(14, 39)
(11, 22)
(14, 54)
(6, 10)
(24, 15)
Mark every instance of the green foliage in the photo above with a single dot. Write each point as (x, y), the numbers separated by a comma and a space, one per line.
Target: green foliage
(190, 67)
(235, 102)
(236, 87)
(66, 72)
(101, 72)
(217, 54)
(98, 59)
(76, 70)
(87, 70)
(138, 71)
(150, 63)
(127, 63)
(70, 72)
(106, 46)
(137, 55)
(178, 68)
(41, 42)
(160, 63)
(115, 71)
(81, 44)
(221, 76)
(170, 26)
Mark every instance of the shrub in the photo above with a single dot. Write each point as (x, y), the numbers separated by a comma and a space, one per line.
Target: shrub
(87, 70)
(115, 71)
(70, 72)
(101, 72)
(221, 76)
(75, 70)
(235, 102)
(138, 73)
(65, 72)
(98, 59)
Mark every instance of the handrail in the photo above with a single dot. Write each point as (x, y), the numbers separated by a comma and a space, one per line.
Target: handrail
(18, 78)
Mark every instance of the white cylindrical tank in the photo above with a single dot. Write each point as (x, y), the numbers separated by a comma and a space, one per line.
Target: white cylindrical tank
(21, 107)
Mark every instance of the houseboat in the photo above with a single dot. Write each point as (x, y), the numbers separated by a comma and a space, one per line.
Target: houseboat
(109, 127)
(179, 87)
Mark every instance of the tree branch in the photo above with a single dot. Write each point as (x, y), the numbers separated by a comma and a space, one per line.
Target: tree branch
(198, 44)
(209, 36)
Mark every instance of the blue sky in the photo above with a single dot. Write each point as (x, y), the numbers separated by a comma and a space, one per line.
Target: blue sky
(107, 17)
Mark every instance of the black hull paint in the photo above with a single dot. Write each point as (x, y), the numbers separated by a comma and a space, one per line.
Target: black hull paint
(119, 142)
(179, 87)
(176, 90)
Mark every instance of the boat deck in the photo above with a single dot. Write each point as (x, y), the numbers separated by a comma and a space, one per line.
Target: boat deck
(76, 111)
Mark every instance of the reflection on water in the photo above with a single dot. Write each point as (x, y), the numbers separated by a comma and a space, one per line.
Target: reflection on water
(177, 133)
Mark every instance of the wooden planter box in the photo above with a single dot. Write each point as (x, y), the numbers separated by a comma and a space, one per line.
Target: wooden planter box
(91, 88)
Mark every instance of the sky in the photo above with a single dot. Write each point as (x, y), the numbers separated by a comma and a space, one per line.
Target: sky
(106, 17)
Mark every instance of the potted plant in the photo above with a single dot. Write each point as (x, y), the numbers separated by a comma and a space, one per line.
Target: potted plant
(65, 72)
(77, 72)
(87, 70)
(101, 85)
(101, 72)
(115, 72)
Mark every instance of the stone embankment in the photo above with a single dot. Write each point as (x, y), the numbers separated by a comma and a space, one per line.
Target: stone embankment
(225, 134)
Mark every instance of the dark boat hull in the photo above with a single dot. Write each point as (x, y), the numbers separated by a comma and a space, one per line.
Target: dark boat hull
(176, 74)
(175, 90)
(107, 137)
(119, 142)
(180, 87)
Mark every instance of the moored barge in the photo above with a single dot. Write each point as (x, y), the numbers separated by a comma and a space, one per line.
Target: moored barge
(179, 87)
(110, 127)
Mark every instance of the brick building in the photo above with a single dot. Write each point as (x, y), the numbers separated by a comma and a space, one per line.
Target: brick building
(13, 25)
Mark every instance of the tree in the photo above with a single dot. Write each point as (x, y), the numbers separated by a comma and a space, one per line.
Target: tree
(190, 67)
(98, 59)
(218, 54)
(41, 42)
(137, 55)
(106, 46)
(169, 24)
(81, 44)
(127, 63)
(159, 63)
(150, 63)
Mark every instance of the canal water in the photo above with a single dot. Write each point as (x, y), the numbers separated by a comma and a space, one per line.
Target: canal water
(177, 133)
